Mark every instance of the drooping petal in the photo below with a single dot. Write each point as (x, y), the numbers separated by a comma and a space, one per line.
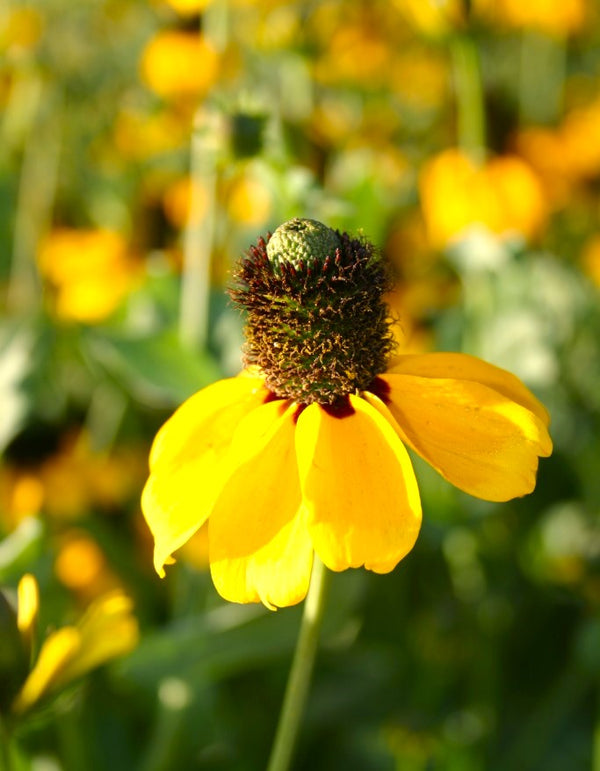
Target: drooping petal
(186, 460)
(56, 652)
(462, 366)
(478, 438)
(259, 548)
(358, 486)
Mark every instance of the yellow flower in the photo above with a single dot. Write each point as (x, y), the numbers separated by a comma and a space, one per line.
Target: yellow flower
(504, 195)
(249, 201)
(90, 271)
(552, 17)
(106, 630)
(433, 18)
(177, 63)
(305, 452)
(189, 7)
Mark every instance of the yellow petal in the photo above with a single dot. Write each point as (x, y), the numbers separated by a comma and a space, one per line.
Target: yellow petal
(479, 439)
(358, 486)
(187, 461)
(107, 629)
(205, 420)
(258, 545)
(28, 602)
(461, 366)
(58, 649)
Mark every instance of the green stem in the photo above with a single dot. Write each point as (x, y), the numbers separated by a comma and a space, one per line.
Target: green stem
(301, 671)
(35, 198)
(6, 762)
(470, 105)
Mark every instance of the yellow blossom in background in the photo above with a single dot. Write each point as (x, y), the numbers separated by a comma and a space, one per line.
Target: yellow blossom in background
(503, 195)
(139, 135)
(177, 197)
(71, 481)
(355, 53)
(189, 7)
(106, 630)
(564, 156)
(590, 259)
(305, 451)
(20, 29)
(249, 201)
(543, 149)
(81, 566)
(21, 496)
(90, 270)
(176, 63)
(580, 135)
(420, 77)
(552, 17)
(433, 18)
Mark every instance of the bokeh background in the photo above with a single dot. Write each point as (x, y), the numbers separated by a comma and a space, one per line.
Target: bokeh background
(144, 145)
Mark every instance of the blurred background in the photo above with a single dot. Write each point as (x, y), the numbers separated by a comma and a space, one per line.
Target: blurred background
(145, 144)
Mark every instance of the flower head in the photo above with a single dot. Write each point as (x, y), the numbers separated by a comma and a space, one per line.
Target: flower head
(305, 451)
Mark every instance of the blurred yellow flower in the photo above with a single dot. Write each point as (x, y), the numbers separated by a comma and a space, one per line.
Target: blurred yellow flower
(189, 7)
(306, 450)
(21, 496)
(249, 201)
(552, 17)
(580, 135)
(567, 155)
(90, 271)
(20, 29)
(81, 566)
(107, 630)
(504, 195)
(177, 198)
(71, 481)
(140, 135)
(590, 259)
(433, 18)
(356, 53)
(177, 63)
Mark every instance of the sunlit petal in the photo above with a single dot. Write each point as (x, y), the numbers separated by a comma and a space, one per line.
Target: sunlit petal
(358, 486)
(258, 544)
(187, 461)
(461, 366)
(204, 421)
(475, 436)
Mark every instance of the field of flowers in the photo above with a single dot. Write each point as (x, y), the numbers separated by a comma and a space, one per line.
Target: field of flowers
(145, 146)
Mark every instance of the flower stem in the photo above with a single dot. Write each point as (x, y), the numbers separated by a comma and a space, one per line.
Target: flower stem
(301, 671)
(470, 105)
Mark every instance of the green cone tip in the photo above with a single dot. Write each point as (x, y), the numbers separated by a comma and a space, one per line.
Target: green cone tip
(302, 240)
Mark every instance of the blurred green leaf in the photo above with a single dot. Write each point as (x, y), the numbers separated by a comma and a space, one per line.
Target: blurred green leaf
(157, 370)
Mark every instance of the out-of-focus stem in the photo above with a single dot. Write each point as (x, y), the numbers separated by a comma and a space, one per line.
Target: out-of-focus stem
(35, 197)
(199, 233)
(470, 105)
